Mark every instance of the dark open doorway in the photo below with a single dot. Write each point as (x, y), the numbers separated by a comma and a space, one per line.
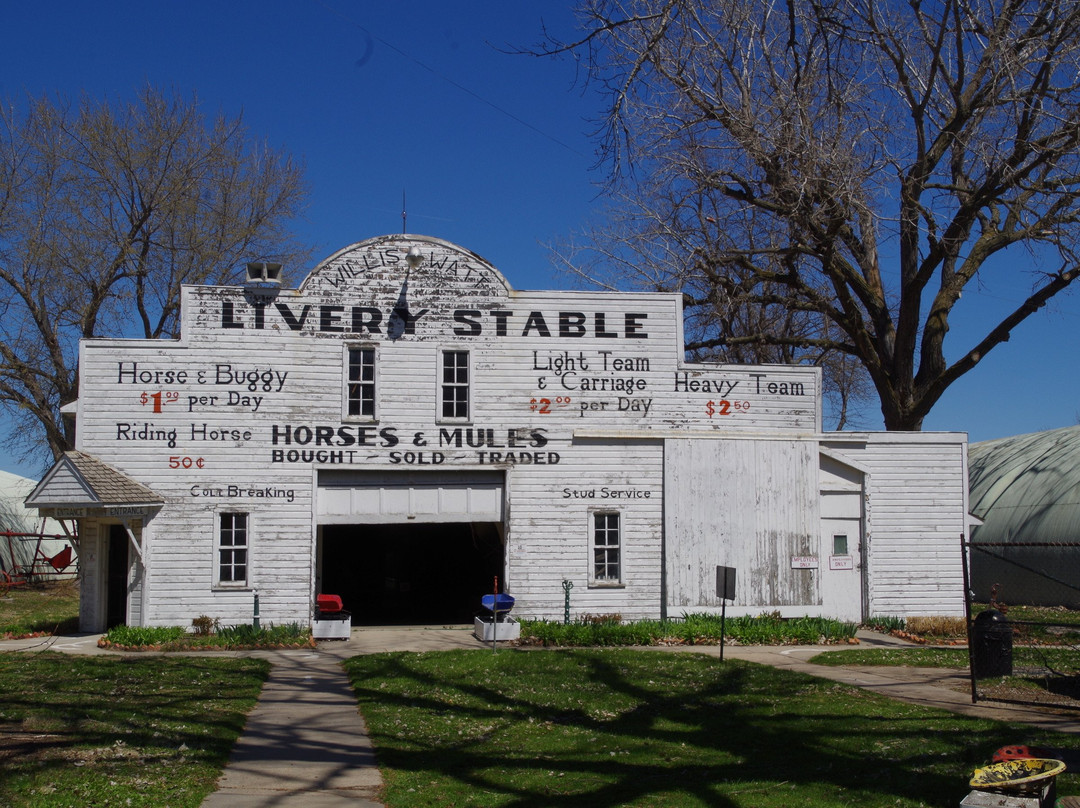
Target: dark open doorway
(116, 577)
(410, 573)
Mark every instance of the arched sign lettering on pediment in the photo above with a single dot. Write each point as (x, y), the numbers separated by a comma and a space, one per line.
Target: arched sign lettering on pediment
(428, 266)
(383, 288)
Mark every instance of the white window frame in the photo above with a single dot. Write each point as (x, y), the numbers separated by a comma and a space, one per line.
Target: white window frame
(600, 552)
(347, 398)
(444, 386)
(220, 548)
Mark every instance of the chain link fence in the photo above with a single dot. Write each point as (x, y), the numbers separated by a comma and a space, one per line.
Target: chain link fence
(1023, 617)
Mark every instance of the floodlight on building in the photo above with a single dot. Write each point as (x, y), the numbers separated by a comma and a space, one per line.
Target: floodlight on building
(415, 258)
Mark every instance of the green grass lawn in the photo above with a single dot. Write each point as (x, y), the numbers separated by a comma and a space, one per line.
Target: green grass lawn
(1063, 661)
(916, 656)
(616, 727)
(1042, 614)
(93, 730)
(52, 608)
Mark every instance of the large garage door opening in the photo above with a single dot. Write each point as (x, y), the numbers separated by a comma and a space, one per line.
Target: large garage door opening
(412, 574)
(410, 547)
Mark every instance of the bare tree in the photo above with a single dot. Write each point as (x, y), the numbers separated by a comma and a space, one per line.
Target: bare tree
(663, 245)
(105, 210)
(826, 177)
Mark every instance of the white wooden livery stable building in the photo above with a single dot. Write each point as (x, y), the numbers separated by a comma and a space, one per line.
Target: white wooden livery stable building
(404, 427)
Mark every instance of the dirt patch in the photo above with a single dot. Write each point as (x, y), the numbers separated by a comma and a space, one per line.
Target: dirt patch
(41, 747)
(1049, 693)
(31, 747)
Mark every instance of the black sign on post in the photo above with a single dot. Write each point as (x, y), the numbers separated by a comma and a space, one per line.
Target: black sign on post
(725, 590)
(725, 583)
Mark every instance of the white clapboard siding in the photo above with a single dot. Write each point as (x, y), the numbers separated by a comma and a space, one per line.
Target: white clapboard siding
(580, 400)
(551, 531)
(916, 486)
(91, 616)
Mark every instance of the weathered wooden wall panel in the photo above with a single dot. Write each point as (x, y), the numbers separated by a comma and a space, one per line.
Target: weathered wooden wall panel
(138, 592)
(747, 504)
(91, 605)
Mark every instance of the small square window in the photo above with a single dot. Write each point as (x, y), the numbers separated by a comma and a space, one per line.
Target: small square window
(839, 544)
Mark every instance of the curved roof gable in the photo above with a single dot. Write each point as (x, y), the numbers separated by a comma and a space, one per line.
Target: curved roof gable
(421, 261)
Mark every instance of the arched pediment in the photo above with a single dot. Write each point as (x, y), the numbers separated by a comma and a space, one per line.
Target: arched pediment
(429, 266)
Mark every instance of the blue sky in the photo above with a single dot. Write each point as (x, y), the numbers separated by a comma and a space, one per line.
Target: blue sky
(492, 149)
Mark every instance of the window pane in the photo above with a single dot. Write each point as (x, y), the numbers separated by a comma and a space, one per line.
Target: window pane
(232, 548)
(606, 549)
(361, 388)
(455, 384)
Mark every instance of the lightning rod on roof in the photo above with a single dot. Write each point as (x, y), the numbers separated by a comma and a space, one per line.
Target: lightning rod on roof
(403, 216)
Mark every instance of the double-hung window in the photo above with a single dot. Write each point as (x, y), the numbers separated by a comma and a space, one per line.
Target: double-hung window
(233, 548)
(606, 548)
(454, 390)
(360, 392)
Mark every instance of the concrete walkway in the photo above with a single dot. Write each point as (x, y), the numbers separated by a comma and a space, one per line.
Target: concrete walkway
(305, 743)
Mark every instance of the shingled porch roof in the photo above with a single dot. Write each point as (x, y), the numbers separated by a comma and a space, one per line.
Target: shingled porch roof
(81, 480)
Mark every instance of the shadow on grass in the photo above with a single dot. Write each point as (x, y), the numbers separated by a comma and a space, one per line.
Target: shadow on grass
(598, 728)
(105, 723)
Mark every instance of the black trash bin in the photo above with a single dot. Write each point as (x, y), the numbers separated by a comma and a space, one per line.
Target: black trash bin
(991, 645)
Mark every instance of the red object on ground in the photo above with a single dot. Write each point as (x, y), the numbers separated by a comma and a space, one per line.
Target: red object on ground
(1017, 752)
(1070, 757)
(328, 604)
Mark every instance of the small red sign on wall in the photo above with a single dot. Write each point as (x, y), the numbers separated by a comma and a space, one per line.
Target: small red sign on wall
(844, 562)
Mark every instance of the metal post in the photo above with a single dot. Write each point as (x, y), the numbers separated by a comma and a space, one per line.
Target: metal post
(255, 621)
(723, 617)
(567, 586)
(725, 590)
(968, 596)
